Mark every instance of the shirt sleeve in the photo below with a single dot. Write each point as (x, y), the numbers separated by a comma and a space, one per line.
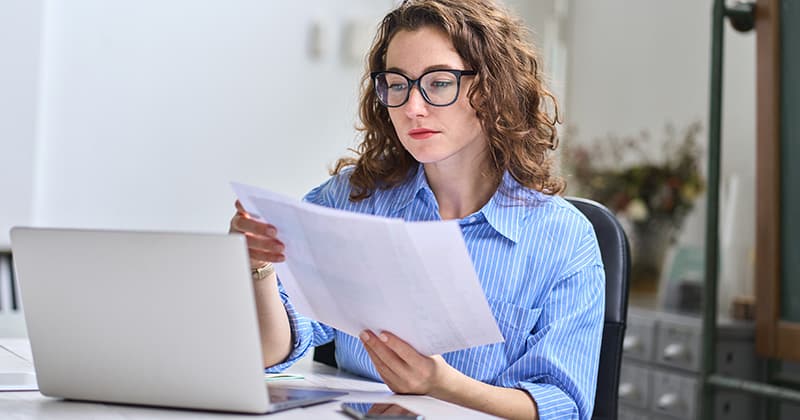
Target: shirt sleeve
(559, 367)
(306, 334)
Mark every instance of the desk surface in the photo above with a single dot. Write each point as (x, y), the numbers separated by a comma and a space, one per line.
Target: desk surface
(15, 357)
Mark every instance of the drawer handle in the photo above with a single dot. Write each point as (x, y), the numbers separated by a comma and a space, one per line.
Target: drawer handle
(675, 351)
(626, 390)
(668, 401)
(630, 342)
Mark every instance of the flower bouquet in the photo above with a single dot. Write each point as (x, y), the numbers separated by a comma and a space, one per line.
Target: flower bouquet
(651, 193)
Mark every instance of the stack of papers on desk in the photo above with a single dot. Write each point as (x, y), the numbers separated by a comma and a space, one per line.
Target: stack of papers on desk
(354, 272)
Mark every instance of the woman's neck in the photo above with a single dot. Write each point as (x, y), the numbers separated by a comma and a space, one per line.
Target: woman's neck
(461, 190)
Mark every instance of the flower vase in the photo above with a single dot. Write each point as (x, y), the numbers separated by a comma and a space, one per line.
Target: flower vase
(649, 245)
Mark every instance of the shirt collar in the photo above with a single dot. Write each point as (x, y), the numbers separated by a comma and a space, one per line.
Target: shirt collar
(505, 212)
(508, 208)
(410, 189)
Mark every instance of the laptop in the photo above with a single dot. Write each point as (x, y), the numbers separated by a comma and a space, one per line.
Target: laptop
(147, 318)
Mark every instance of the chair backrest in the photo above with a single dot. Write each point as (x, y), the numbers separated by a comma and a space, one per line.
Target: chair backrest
(616, 259)
(12, 320)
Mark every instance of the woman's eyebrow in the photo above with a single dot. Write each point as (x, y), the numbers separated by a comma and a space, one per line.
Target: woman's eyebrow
(426, 69)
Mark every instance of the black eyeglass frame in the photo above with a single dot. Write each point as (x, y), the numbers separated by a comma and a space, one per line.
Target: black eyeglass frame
(411, 82)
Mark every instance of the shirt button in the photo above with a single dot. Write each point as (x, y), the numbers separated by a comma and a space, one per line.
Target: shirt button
(473, 219)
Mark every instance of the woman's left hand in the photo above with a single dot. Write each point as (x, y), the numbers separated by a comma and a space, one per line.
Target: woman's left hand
(404, 369)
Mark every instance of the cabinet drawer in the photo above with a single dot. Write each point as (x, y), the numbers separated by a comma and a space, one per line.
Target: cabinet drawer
(634, 385)
(731, 405)
(674, 395)
(638, 342)
(737, 358)
(628, 413)
(678, 344)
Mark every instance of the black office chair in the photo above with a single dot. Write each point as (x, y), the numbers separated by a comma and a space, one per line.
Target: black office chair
(616, 259)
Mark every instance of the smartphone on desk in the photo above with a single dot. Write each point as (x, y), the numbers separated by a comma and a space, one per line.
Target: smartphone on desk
(384, 411)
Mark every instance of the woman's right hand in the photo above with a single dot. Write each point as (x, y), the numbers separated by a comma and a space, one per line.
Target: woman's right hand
(273, 321)
(263, 244)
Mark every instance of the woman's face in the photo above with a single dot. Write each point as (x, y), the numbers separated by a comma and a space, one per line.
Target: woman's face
(450, 135)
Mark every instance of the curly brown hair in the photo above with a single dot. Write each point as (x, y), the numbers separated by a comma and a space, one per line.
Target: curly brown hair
(508, 95)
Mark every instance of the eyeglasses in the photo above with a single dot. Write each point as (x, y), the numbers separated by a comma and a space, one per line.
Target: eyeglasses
(438, 87)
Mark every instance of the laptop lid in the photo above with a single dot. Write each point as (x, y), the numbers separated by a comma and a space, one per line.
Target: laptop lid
(151, 318)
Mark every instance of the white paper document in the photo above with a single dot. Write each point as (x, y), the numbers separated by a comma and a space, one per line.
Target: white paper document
(354, 272)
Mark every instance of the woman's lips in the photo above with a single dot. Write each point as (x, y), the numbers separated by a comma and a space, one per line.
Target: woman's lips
(421, 133)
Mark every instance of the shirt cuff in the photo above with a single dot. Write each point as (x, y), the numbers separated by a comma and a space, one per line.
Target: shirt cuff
(551, 401)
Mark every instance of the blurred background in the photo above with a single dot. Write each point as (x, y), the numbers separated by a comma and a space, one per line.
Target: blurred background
(122, 114)
(137, 115)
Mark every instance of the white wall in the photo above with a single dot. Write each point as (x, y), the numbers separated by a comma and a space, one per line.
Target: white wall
(20, 29)
(146, 109)
(546, 20)
(636, 65)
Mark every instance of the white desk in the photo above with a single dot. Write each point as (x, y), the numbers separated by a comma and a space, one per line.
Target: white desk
(33, 405)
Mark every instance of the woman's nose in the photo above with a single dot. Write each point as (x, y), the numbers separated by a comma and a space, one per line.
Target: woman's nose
(416, 105)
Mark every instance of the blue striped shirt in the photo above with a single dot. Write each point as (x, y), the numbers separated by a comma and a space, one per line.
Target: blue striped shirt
(539, 264)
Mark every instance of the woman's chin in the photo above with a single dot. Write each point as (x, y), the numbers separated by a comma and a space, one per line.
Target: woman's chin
(426, 161)
(428, 156)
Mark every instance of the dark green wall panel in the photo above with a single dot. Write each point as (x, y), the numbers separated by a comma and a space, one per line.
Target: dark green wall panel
(790, 160)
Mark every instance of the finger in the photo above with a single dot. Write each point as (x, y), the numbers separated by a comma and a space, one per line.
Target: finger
(408, 354)
(241, 210)
(389, 376)
(266, 244)
(243, 224)
(264, 257)
(382, 353)
(236, 224)
(262, 248)
(378, 345)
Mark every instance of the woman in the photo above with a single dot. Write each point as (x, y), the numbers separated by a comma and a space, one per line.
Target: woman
(455, 127)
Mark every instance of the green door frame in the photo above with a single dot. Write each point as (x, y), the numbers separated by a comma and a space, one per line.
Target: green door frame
(742, 16)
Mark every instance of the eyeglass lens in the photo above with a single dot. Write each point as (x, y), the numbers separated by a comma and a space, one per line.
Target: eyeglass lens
(438, 88)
